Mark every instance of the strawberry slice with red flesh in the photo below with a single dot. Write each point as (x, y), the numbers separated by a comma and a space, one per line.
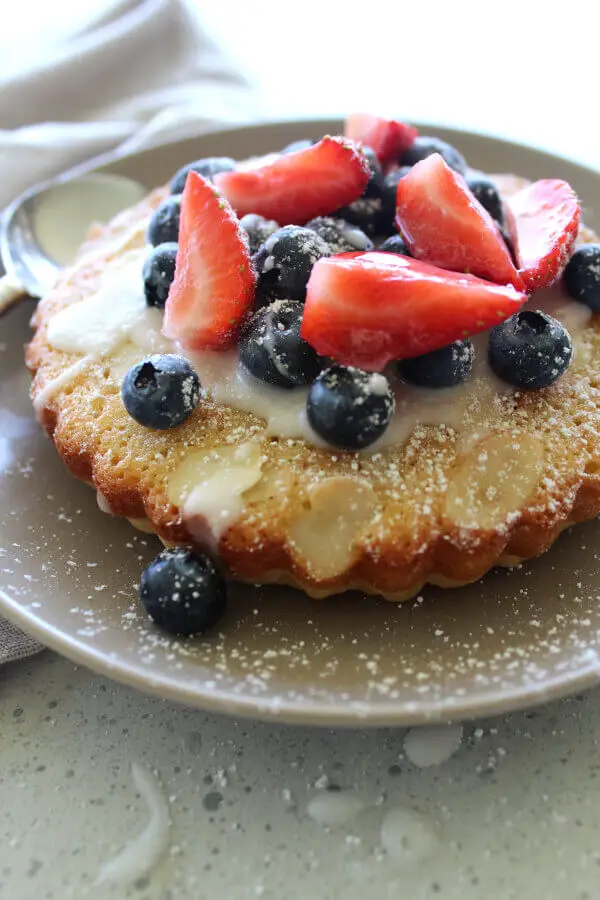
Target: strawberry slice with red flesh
(366, 309)
(297, 187)
(387, 137)
(445, 225)
(213, 289)
(543, 227)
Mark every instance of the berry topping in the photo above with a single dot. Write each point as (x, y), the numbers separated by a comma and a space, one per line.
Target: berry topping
(161, 391)
(214, 284)
(388, 138)
(582, 276)
(298, 145)
(365, 213)
(339, 235)
(370, 308)
(258, 230)
(376, 183)
(394, 244)
(484, 190)
(386, 224)
(208, 168)
(544, 222)
(296, 187)
(425, 146)
(348, 408)
(158, 272)
(183, 592)
(442, 223)
(285, 261)
(164, 224)
(530, 350)
(441, 368)
(272, 350)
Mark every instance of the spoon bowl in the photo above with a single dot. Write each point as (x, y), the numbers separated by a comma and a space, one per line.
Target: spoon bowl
(41, 231)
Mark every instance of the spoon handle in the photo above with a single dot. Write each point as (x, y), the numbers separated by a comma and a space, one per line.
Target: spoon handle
(10, 293)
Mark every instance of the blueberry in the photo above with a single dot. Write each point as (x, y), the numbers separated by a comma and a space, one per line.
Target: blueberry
(376, 181)
(582, 276)
(298, 145)
(484, 190)
(183, 592)
(394, 244)
(158, 272)
(208, 168)
(339, 235)
(349, 408)
(366, 213)
(272, 350)
(446, 367)
(161, 391)
(530, 350)
(424, 146)
(388, 209)
(285, 261)
(164, 224)
(258, 229)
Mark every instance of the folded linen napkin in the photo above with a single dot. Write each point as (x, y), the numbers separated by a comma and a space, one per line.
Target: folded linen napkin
(139, 73)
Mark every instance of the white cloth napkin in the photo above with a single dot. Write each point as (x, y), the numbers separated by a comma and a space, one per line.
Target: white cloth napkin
(140, 73)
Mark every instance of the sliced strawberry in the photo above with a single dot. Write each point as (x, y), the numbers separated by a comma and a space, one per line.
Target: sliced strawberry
(388, 137)
(366, 309)
(443, 223)
(543, 227)
(299, 186)
(213, 288)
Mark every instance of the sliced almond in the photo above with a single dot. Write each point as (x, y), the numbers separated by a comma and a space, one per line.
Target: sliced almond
(210, 487)
(275, 484)
(496, 478)
(324, 536)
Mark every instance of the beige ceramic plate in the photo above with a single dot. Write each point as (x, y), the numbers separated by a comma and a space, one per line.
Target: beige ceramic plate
(68, 572)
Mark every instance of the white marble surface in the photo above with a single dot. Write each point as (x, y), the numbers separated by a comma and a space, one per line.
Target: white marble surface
(513, 813)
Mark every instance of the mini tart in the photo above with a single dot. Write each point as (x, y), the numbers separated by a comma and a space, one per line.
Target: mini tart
(443, 507)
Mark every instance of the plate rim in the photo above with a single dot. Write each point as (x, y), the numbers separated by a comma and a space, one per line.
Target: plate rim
(387, 713)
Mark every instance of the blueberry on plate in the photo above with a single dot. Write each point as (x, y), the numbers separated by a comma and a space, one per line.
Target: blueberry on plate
(394, 244)
(161, 391)
(208, 168)
(484, 190)
(446, 367)
(298, 145)
(349, 408)
(183, 592)
(530, 350)
(272, 350)
(339, 235)
(158, 273)
(258, 229)
(582, 276)
(164, 224)
(424, 146)
(285, 261)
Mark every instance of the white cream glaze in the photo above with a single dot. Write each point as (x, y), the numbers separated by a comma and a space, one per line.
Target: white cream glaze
(210, 487)
(100, 323)
(117, 313)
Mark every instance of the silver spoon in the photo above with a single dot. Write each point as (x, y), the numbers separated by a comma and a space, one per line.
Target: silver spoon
(41, 231)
